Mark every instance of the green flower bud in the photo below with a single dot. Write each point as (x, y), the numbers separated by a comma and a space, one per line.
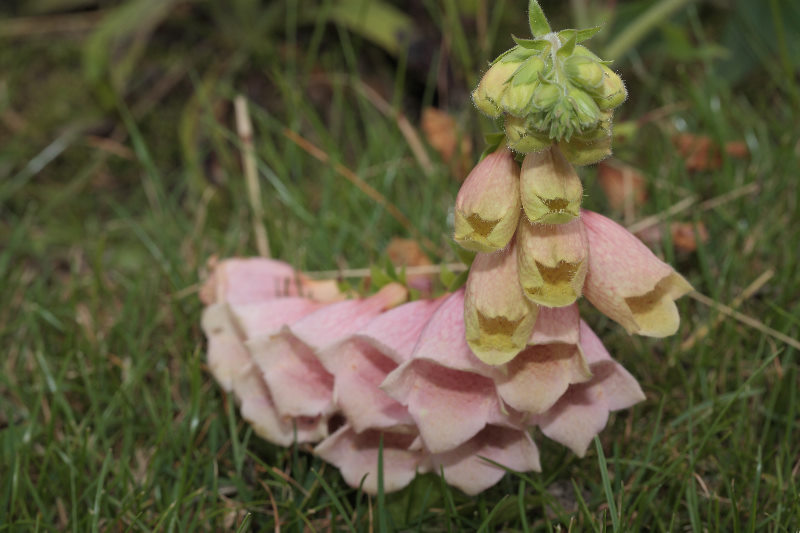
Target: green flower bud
(521, 138)
(487, 95)
(584, 71)
(518, 95)
(585, 109)
(612, 91)
(517, 98)
(581, 152)
(546, 96)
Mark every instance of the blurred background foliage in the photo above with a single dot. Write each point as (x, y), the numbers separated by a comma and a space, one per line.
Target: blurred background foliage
(120, 176)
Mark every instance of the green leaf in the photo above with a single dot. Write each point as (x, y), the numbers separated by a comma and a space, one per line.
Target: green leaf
(537, 20)
(380, 22)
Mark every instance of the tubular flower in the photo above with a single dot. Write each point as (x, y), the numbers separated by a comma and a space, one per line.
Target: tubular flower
(552, 261)
(551, 190)
(499, 319)
(628, 283)
(488, 204)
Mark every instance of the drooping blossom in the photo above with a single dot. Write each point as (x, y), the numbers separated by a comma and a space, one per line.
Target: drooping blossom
(628, 283)
(488, 204)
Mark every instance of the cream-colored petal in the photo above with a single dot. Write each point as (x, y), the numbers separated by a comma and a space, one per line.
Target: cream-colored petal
(498, 318)
(552, 261)
(551, 191)
(628, 283)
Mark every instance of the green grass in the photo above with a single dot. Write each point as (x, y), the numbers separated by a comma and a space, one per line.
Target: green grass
(109, 419)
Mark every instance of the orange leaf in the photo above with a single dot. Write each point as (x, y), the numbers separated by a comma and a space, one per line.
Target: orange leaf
(621, 183)
(682, 233)
(407, 252)
(702, 153)
(442, 134)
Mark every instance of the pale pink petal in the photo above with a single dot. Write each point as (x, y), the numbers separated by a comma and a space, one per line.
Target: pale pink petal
(449, 406)
(243, 281)
(258, 279)
(298, 381)
(444, 342)
(266, 318)
(299, 384)
(257, 408)
(356, 392)
(556, 324)
(361, 363)
(356, 456)
(464, 467)
(540, 375)
(231, 365)
(583, 410)
(339, 320)
(577, 417)
(396, 332)
(628, 283)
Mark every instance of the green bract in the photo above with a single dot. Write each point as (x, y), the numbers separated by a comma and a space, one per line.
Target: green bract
(552, 90)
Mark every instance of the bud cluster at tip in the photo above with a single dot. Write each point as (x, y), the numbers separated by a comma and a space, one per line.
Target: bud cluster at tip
(551, 90)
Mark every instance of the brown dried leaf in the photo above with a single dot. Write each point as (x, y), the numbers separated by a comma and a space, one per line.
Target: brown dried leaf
(702, 153)
(684, 237)
(621, 182)
(407, 252)
(441, 133)
(682, 233)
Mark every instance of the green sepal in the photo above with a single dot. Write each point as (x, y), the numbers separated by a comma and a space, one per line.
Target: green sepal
(493, 142)
(515, 55)
(588, 33)
(540, 45)
(536, 19)
(568, 46)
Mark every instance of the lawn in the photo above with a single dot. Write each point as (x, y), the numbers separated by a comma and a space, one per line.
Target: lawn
(121, 176)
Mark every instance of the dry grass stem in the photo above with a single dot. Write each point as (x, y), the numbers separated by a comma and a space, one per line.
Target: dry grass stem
(701, 332)
(744, 319)
(409, 132)
(244, 128)
(365, 272)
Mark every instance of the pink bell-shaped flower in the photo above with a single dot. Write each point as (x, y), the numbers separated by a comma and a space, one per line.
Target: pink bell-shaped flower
(488, 204)
(628, 283)
(498, 317)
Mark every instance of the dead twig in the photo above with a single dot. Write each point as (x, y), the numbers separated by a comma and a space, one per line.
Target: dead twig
(244, 128)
